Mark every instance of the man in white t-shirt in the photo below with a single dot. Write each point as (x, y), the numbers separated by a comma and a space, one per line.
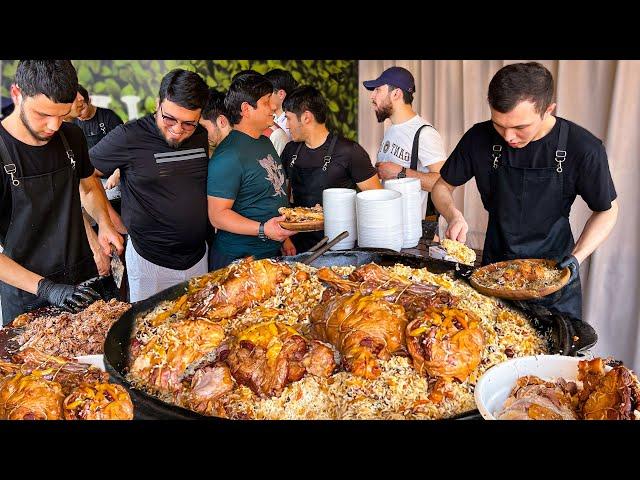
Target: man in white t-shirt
(391, 96)
(283, 84)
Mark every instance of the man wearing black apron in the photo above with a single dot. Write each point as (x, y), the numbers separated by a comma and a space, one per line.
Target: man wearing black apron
(317, 160)
(529, 166)
(45, 173)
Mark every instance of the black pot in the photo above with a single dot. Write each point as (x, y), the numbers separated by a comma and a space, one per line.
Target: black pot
(116, 348)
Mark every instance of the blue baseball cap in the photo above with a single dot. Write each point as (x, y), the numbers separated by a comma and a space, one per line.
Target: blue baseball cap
(397, 76)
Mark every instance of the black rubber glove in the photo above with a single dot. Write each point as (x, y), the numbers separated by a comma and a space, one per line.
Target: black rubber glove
(573, 264)
(70, 297)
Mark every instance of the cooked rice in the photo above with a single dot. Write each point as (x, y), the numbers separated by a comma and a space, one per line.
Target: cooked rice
(399, 392)
(459, 251)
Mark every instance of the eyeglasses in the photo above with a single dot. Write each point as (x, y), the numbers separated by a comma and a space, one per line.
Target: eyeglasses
(170, 122)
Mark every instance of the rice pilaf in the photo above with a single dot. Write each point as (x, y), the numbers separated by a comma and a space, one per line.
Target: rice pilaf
(398, 393)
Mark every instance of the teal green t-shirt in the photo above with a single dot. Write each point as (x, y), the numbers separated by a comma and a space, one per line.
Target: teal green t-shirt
(248, 171)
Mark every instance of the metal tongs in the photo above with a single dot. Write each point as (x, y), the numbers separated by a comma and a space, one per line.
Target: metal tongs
(320, 247)
(462, 270)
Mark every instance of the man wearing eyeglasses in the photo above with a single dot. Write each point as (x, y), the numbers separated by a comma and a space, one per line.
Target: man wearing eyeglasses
(162, 159)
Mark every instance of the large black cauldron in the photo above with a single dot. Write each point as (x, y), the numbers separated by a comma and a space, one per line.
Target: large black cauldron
(567, 336)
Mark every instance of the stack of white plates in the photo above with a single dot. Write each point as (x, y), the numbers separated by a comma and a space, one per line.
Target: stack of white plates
(411, 207)
(379, 214)
(339, 207)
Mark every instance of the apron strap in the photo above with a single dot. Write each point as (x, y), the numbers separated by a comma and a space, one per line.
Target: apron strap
(561, 152)
(327, 157)
(9, 167)
(295, 155)
(414, 149)
(431, 208)
(67, 149)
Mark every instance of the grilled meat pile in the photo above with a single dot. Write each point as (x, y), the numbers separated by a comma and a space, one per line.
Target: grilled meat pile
(70, 334)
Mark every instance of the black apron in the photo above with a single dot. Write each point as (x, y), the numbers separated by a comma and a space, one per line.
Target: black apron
(307, 185)
(46, 234)
(527, 220)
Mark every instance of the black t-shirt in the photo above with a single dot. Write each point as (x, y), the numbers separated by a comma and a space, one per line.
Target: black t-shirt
(164, 190)
(33, 160)
(349, 161)
(585, 169)
(99, 125)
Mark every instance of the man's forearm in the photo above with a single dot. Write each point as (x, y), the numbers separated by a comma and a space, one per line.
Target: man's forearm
(595, 231)
(92, 236)
(233, 222)
(442, 195)
(94, 199)
(427, 179)
(17, 276)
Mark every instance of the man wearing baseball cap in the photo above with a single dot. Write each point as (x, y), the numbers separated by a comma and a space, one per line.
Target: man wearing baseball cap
(411, 146)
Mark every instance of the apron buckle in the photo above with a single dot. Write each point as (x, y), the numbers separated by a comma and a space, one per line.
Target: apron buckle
(70, 157)
(496, 155)
(327, 160)
(561, 156)
(10, 169)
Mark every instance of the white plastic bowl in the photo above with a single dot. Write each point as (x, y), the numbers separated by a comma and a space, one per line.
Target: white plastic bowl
(495, 384)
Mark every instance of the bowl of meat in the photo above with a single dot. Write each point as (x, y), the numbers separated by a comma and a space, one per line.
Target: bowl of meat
(557, 387)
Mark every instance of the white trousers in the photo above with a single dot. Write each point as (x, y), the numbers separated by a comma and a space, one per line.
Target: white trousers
(147, 279)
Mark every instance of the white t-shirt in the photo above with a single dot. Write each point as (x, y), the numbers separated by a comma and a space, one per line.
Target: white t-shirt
(279, 139)
(281, 120)
(397, 144)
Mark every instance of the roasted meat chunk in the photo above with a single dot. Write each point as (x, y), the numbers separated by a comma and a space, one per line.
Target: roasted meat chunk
(98, 401)
(445, 342)
(268, 356)
(30, 397)
(535, 399)
(162, 361)
(363, 328)
(248, 283)
(413, 296)
(614, 395)
(205, 389)
(211, 382)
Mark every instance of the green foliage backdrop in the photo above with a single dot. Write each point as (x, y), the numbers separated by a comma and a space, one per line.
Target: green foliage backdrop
(336, 79)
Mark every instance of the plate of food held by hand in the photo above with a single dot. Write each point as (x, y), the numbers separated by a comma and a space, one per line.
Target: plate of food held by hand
(302, 219)
(520, 279)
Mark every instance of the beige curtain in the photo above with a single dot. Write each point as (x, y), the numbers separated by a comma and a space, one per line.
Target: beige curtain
(603, 96)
